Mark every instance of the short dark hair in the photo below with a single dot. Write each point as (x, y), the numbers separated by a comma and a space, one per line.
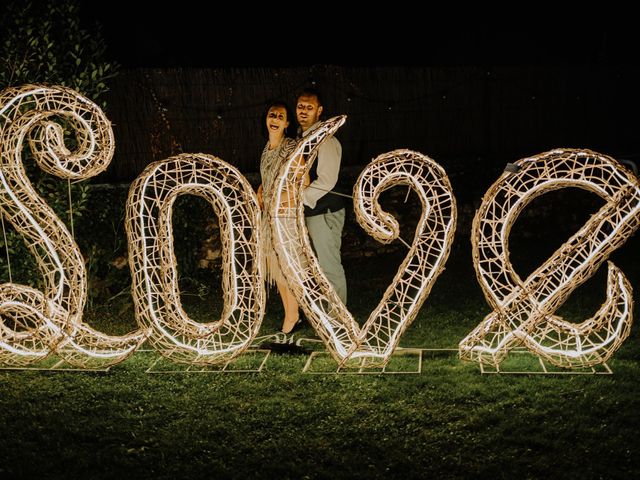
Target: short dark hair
(311, 92)
(291, 118)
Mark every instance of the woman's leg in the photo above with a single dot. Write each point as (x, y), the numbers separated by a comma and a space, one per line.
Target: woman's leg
(290, 304)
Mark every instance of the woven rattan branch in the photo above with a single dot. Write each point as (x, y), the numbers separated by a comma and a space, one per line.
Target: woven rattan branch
(153, 264)
(376, 340)
(35, 323)
(524, 309)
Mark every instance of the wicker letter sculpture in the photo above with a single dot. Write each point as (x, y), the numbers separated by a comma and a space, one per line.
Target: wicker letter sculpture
(523, 310)
(153, 264)
(375, 341)
(32, 323)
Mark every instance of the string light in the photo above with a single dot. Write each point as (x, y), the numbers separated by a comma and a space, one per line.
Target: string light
(524, 309)
(36, 323)
(155, 288)
(376, 340)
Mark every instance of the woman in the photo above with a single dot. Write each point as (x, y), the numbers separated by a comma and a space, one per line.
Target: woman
(276, 151)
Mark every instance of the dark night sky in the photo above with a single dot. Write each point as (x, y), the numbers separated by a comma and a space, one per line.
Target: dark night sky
(183, 35)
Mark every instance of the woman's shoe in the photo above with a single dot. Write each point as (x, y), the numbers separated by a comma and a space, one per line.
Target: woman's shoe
(295, 327)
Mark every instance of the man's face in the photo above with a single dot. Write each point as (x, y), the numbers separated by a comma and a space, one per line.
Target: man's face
(308, 111)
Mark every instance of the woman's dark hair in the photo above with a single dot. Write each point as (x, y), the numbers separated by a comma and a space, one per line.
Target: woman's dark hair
(291, 129)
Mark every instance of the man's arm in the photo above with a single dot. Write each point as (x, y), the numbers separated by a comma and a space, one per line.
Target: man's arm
(329, 156)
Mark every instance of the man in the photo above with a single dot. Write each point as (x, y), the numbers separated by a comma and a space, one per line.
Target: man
(324, 211)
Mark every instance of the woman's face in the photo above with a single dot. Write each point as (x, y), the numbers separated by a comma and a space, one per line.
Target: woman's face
(277, 119)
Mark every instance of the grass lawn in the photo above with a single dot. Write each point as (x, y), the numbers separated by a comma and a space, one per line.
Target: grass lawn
(447, 422)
